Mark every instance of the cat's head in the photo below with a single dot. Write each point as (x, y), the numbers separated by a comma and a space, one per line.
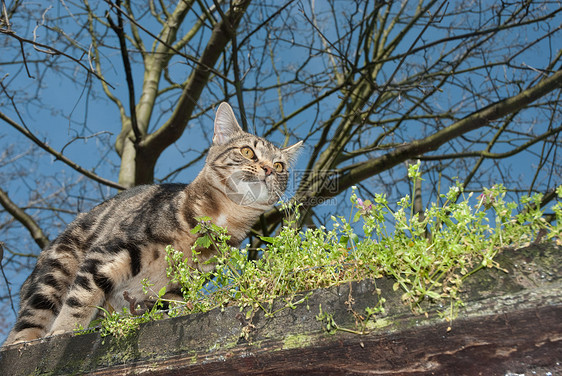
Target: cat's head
(251, 171)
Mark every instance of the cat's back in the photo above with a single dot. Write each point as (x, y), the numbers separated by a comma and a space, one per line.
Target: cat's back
(142, 197)
(129, 213)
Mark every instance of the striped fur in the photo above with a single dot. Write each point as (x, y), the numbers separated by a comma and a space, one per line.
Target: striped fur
(112, 248)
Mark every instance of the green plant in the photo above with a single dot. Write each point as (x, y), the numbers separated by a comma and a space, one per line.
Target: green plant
(125, 323)
(428, 256)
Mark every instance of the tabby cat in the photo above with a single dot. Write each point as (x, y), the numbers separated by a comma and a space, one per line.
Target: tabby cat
(112, 248)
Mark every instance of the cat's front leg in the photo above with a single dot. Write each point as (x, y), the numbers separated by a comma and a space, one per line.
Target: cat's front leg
(78, 310)
(94, 281)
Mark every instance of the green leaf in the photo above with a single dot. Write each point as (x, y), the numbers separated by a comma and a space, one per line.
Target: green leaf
(267, 239)
(212, 260)
(162, 292)
(203, 218)
(433, 295)
(203, 241)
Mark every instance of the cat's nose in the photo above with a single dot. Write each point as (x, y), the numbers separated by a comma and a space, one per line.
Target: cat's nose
(268, 170)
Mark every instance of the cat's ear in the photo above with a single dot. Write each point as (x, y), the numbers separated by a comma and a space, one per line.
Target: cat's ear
(292, 151)
(226, 125)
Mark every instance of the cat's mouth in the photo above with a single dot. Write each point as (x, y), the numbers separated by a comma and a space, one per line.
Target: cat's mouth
(248, 189)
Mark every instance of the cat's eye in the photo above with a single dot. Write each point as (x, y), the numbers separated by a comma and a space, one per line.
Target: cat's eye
(248, 152)
(279, 167)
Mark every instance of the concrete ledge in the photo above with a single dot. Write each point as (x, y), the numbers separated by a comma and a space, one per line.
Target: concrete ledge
(511, 322)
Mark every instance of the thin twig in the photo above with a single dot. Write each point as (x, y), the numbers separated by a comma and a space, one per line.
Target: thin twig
(25, 219)
(391, 78)
(48, 51)
(6, 281)
(237, 82)
(118, 29)
(54, 51)
(59, 156)
(6, 18)
(85, 138)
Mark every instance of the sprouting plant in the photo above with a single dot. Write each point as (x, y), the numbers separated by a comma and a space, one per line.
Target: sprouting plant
(428, 256)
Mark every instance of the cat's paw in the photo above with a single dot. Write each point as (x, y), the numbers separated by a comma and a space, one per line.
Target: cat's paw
(56, 332)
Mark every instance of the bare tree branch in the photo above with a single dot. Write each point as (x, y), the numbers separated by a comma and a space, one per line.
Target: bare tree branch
(487, 154)
(155, 143)
(58, 155)
(25, 219)
(51, 51)
(118, 29)
(358, 172)
(167, 45)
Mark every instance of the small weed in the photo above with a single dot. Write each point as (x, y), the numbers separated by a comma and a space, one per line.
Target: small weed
(428, 256)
